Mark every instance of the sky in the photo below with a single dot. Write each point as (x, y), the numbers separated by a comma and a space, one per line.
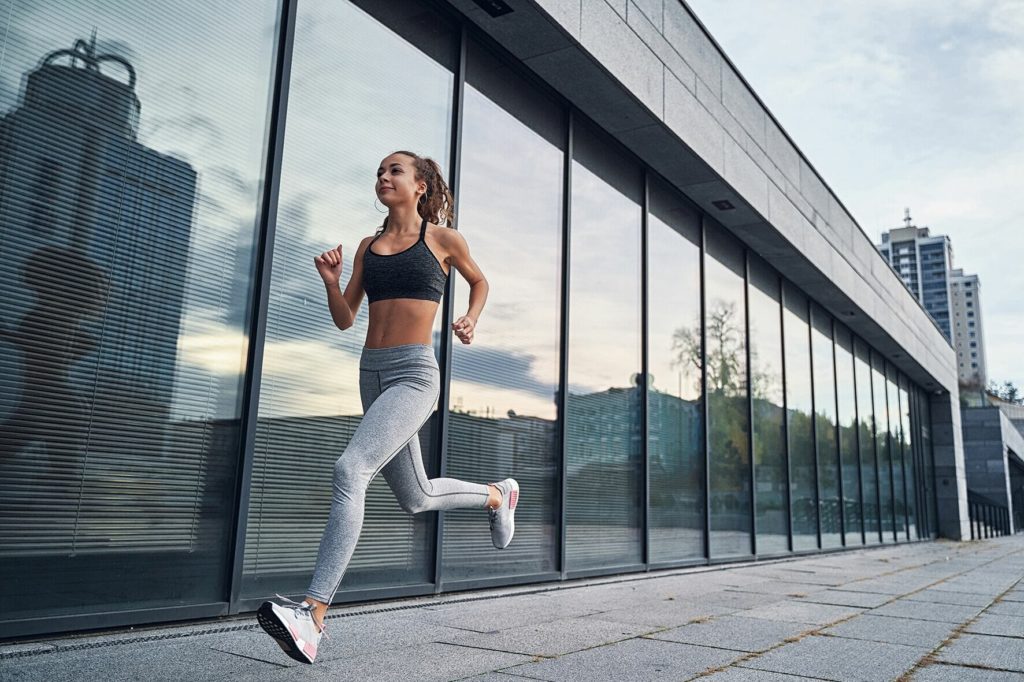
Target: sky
(905, 104)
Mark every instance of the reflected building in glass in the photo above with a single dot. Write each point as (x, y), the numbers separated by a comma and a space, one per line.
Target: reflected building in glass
(678, 364)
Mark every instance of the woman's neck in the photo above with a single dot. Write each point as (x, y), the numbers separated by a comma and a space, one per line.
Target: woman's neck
(404, 220)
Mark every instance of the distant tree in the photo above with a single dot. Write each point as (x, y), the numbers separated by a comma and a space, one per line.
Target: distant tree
(1006, 392)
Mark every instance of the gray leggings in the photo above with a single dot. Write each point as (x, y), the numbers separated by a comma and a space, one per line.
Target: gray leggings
(398, 387)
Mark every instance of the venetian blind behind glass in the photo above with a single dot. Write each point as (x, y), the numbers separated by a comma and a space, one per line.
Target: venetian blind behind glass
(131, 146)
(502, 418)
(769, 432)
(675, 408)
(359, 90)
(603, 443)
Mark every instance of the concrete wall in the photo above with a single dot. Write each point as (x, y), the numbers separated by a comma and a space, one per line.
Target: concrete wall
(648, 73)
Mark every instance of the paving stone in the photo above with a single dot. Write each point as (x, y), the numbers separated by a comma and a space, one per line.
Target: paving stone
(1013, 595)
(836, 658)
(780, 587)
(516, 611)
(865, 600)
(346, 637)
(425, 662)
(996, 624)
(555, 638)
(741, 600)
(747, 675)
(662, 615)
(941, 672)
(732, 632)
(920, 610)
(494, 677)
(639, 660)
(947, 597)
(928, 634)
(1007, 608)
(183, 660)
(801, 612)
(1003, 653)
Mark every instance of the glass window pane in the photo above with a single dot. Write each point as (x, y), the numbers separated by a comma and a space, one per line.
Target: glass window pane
(336, 136)
(766, 391)
(866, 442)
(802, 476)
(825, 429)
(728, 420)
(909, 459)
(503, 385)
(675, 409)
(882, 447)
(131, 157)
(848, 453)
(603, 448)
(896, 445)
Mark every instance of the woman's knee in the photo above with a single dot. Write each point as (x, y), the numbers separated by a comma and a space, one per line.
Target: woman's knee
(415, 503)
(351, 475)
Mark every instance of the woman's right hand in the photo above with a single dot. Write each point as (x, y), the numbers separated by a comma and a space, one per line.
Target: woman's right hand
(328, 264)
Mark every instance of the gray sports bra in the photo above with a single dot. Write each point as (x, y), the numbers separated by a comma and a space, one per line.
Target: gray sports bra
(412, 273)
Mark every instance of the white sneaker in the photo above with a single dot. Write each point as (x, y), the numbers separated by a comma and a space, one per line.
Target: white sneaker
(502, 519)
(292, 627)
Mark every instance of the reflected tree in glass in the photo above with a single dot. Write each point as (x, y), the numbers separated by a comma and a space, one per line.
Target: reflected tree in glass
(803, 476)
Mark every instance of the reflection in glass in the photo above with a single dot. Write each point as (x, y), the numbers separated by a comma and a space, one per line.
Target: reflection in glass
(896, 445)
(726, 367)
(803, 496)
(766, 391)
(825, 429)
(848, 424)
(130, 163)
(929, 465)
(603, 447)
(866, 442)
(909, 459)
(348, 108)
(503, 385)
(882, 446)
(674, 408)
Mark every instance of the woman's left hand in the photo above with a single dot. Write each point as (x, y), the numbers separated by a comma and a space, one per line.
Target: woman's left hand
(463, 328)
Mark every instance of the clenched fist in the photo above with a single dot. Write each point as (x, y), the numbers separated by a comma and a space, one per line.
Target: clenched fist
(463, 328)
(328, 264)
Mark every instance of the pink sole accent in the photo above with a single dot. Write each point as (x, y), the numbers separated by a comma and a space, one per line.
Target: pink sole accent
(513, 499)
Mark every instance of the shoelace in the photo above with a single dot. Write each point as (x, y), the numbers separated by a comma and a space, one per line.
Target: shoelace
(308, 608)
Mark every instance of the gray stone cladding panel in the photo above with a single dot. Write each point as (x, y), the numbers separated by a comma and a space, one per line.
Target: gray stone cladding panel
(689, 40)
(640, 22)
(605, 34)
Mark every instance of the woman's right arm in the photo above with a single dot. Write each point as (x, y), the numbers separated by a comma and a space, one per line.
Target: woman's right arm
(344, 307)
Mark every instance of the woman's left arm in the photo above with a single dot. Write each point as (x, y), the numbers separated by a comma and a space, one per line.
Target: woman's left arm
(459, 258)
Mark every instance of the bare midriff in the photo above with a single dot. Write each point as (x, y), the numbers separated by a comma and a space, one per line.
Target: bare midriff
(399, 321)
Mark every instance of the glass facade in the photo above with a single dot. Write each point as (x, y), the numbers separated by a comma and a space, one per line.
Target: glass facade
(826, 442)
(502, 401)
(177, 413)
(603, 445)
(675, 406)
(803, 476)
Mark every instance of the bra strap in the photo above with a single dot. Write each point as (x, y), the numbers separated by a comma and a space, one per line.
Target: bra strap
(423, 228)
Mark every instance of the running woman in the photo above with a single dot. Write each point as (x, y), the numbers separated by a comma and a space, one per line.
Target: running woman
(403, 270)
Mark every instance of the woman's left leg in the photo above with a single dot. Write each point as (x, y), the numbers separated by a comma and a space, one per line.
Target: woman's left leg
(417, 493)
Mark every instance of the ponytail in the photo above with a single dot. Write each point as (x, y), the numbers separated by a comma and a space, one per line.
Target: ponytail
(437, 204)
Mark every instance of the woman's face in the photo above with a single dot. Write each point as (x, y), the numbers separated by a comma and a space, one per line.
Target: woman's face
(396, 181)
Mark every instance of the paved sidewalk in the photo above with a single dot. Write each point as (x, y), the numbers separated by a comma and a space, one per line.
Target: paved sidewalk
(933, 611)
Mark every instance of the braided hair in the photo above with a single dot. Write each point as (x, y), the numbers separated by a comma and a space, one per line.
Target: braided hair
(437, 205)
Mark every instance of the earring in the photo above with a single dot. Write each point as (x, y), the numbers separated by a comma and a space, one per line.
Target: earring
(423, 197)
(379, 210)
